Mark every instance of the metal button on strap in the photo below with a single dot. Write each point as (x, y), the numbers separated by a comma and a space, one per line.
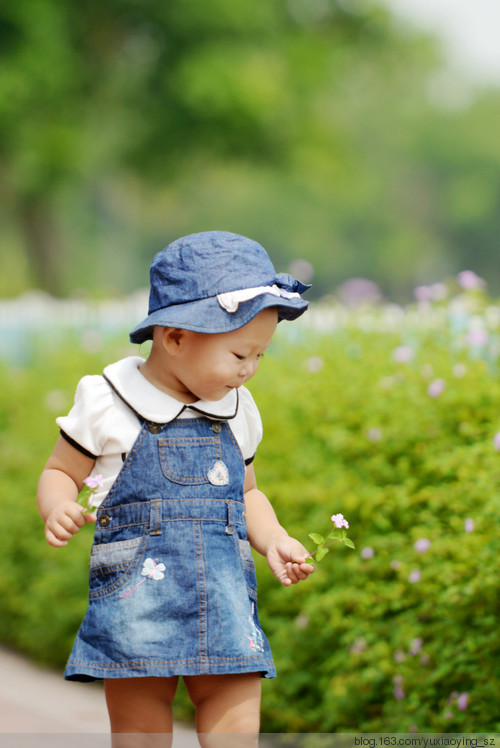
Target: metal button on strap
(104, 520)
(216, 427)
(155, 428)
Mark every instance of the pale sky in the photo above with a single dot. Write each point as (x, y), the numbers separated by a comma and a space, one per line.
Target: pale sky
(470, 30)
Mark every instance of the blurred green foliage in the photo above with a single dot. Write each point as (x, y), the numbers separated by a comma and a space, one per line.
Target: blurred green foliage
(385, 638)
(319, 128)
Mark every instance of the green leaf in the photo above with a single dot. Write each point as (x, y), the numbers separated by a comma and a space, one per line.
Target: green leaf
(321, 554)
(348, 542)
(334, 535)
(316, 538)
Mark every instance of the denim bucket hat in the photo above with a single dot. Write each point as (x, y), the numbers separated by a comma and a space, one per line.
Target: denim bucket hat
(215, 282)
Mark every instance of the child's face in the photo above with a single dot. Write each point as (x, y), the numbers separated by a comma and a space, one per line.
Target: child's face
(210, 365)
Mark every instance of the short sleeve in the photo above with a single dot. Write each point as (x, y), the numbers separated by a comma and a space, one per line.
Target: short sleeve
(247, 427)
(85, 424)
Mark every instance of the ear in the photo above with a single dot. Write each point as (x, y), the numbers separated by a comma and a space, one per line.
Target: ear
(173, 340)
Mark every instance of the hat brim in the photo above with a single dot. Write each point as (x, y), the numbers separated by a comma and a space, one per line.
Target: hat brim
(207, 316)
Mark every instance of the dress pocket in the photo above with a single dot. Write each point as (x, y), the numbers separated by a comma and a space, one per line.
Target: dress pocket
(111, 564)
(189, 460)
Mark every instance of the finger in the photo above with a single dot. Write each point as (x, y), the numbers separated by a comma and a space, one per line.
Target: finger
(53, 540)
(298, 573)
(60, 533)
(293, 573)
(307, 568)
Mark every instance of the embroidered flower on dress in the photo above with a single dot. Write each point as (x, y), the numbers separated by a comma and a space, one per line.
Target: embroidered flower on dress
(153, 569)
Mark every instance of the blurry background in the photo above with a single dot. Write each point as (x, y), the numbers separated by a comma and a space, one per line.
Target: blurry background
(358, 142)
(337, 131)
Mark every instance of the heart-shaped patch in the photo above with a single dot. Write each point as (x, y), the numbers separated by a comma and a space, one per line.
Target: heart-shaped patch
(218, 475)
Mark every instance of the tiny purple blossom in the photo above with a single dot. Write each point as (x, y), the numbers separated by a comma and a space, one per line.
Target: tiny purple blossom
(477, 338)
(469, 525)
(302, 621)
(462, 701)
(436, 387)
(403, 354)
(422, 545)
(94, 481)
(496, 441)
(399, 694)
(367, 552)
(358, 646)
(469, 280)
(374, 435)
(414, 576)
(416, 646)
(339, 521)
(314, 364)
(422, 293)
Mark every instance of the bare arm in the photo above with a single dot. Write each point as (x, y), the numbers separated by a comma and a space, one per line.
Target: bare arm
(285, 555)
(58, 489)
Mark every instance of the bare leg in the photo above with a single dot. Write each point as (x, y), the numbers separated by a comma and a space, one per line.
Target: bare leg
(140, 711)
(227, 709)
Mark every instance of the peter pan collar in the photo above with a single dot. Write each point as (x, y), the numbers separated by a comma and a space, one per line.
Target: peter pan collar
(157, 406)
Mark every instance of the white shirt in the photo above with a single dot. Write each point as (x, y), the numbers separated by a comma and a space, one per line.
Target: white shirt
(105, 427)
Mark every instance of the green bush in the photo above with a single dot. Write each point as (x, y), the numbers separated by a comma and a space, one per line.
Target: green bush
(391, 637)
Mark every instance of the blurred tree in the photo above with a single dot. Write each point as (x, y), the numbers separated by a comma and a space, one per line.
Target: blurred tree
(318, 104)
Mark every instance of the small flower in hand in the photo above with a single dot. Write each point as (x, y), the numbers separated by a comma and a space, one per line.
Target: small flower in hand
(336, 535)
(85, 498)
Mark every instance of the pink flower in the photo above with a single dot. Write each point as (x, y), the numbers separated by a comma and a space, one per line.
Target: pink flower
(358, 646)
(374, 435)
(496, 441)
(399, 694)
(469, 525)
(422, 293)
(398, 688)
(436, 387)
(403, 354)
(422, 545)
(477, 338)
(314, 364)
(94, 482)
(367, 552)
(416, 646)
(414, 576)
(462, 701)
(469, 280)
(339, 521)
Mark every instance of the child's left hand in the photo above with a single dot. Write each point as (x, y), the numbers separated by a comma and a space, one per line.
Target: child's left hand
(286, 559)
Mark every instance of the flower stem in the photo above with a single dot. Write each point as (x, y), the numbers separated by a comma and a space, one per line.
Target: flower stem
(326, 545)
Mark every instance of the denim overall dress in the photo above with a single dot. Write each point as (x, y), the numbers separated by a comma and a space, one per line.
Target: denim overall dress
(172, 587)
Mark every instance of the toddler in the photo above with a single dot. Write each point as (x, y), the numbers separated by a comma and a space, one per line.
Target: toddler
(172, 579)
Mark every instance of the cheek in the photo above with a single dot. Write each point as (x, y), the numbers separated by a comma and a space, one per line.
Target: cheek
(213, 376)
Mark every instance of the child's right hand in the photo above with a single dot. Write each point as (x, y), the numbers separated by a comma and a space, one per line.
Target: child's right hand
(64, 521)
